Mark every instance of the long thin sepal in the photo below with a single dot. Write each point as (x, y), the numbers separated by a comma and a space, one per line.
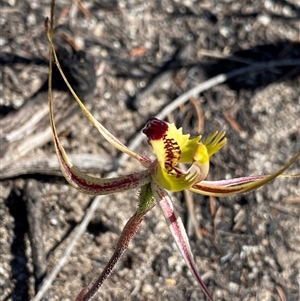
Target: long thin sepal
(178, 231)
(240, 185)
(102, 130)
(92, 185)
(81, 181)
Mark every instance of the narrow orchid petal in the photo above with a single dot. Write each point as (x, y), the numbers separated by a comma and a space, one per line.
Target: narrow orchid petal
(92, 185)
(240, 185)
(102, 130)
(215, 190)
(86, 183)
(235, 181)
(243, 180)
(178, 231)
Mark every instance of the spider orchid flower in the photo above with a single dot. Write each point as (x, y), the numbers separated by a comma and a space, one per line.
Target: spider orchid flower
(155, 177)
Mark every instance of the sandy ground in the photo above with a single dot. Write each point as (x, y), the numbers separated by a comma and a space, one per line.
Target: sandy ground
(250, 248)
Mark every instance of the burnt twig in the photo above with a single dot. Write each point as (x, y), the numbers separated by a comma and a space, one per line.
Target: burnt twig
(33, 202)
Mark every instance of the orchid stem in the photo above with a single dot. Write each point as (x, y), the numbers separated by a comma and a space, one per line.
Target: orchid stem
(128, 232)
(146, 202)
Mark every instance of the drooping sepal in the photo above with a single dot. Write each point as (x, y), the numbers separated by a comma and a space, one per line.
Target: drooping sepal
(178, 232)
(88, 184)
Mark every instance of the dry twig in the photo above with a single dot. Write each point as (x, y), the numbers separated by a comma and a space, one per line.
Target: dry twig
(48, 165)
(33, 202)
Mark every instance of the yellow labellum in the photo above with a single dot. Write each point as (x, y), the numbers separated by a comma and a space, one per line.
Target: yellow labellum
(172, 147)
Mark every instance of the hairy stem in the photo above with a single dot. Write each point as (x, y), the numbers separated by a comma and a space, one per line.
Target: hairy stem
(128, 232)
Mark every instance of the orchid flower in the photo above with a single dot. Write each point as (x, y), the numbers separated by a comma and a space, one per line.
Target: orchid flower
(154, 178)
